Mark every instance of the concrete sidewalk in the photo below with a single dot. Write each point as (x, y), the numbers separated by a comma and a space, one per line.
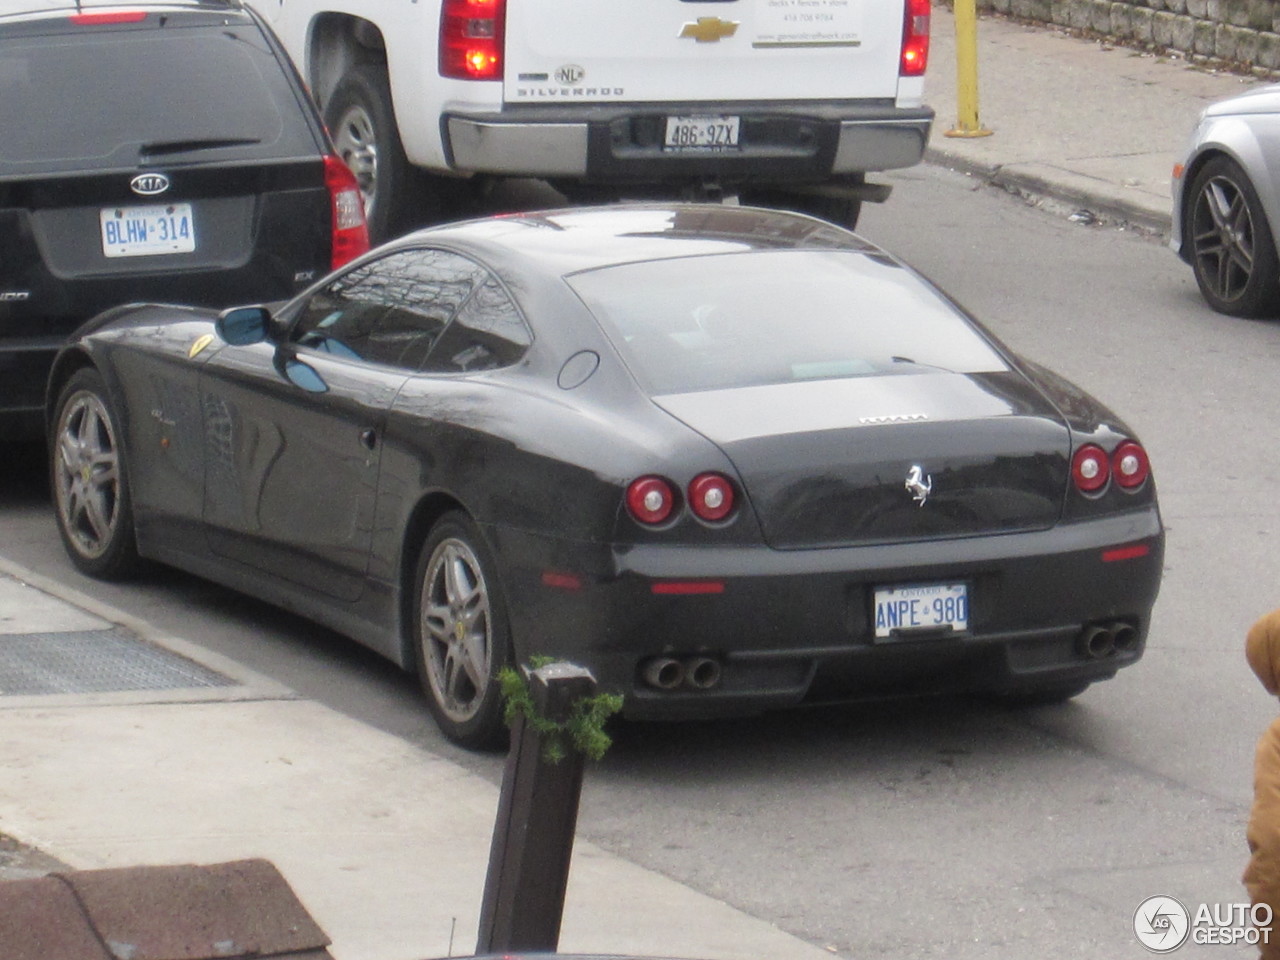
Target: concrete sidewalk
(123, 747)
(181, 756)
(1087, 124)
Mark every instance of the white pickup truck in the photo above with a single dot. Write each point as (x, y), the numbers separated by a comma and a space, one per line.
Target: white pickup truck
(787, 102)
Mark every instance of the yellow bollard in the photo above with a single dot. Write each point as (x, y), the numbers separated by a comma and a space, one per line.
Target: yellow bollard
(967, 124)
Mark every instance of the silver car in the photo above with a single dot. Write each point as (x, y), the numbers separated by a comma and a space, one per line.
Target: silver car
(1226, 204)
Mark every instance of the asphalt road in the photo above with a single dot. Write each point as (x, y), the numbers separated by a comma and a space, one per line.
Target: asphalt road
(953, 829)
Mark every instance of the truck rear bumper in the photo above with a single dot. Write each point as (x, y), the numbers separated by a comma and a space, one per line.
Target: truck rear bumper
(624, 144)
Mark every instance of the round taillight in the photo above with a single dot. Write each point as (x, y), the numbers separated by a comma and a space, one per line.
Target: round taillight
(1130, 465)
(711, 496)
(650, 499)
(1090, 468)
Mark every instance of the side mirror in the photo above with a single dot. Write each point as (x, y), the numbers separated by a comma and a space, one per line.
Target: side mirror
(242, 326)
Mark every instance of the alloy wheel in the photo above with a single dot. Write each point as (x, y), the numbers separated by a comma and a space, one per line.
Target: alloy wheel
(456, 630)
(87, 475)
(355, 138)
(1223, 235)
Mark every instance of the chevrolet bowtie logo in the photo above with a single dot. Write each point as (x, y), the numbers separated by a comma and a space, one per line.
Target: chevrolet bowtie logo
(709, 29)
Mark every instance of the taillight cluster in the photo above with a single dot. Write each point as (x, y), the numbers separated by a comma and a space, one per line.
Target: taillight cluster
(471, 33)
(1092, 469)
(652, 500)
(350, 231)
(915, 39)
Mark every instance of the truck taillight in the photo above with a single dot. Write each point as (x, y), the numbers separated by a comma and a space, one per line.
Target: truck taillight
(350, 236)
(471, 34)
(915, 39)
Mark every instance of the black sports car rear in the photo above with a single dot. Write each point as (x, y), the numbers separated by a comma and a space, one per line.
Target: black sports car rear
(728, 459)
(152, 152)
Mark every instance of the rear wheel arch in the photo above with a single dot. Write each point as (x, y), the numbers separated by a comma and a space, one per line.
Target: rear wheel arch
(425, 515)
(337, 42)
(66, 366)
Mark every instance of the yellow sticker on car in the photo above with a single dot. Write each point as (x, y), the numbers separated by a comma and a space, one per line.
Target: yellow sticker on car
(200, 344)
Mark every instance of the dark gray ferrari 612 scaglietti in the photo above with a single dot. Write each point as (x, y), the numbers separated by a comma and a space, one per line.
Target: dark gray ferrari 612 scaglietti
(728, 459)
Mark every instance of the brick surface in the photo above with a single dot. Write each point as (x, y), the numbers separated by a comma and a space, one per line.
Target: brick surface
(40, 919)
(240, 909)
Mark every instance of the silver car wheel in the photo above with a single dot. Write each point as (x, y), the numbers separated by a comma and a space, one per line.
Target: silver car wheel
(456, 638)
(1223, 236)
(355, 138)
(87, 475)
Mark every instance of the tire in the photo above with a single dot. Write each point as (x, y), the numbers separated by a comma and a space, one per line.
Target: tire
(461, 635)
(360, 119)
(1044, 696)
(842, 211)
(90, 481)
(1233, 252)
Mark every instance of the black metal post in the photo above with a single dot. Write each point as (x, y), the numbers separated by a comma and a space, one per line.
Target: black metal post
(537, 814)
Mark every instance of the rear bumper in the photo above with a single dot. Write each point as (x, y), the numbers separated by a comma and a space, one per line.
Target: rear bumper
(24, 373)
(790, 627)
(623, 144)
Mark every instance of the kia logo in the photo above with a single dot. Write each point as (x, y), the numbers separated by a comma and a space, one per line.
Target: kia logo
(149, 184)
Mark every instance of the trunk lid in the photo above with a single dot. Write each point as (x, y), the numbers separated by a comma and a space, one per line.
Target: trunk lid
(729, 50)
(829, 463)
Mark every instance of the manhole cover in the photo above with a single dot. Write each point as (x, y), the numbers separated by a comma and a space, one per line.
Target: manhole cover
(95, 661)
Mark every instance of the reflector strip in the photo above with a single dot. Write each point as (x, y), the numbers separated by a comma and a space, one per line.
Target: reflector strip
(565, 581)
(687, 587)
(1125, 553)
(118, 16)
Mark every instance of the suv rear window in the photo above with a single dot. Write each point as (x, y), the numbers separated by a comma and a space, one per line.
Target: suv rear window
(740, 320)
(86, 98)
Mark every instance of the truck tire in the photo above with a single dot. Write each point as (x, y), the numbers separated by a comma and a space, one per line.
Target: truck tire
(360, 119)
(842, 211)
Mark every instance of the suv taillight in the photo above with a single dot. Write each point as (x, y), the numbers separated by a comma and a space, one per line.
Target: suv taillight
(471, 33)
(350, 232)
(915, 39)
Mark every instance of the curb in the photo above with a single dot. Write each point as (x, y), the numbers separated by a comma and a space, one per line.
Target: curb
(1043, 181)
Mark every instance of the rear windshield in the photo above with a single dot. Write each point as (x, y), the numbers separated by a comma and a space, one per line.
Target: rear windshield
(737, 320)
(102, 99)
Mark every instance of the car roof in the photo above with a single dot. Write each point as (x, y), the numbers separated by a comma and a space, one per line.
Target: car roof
(568, 240)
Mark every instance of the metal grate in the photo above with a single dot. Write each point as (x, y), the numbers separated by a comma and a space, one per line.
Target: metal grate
(95, 661)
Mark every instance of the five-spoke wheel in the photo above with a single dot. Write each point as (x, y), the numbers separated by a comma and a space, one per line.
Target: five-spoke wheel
(87, 470)
(461, 632)
(1233, 253)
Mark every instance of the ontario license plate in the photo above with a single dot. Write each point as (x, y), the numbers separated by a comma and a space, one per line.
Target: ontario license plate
(702, 133)
(920, 608)
(147, 231)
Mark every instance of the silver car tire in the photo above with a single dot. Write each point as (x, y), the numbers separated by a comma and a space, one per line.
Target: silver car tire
(461, 635)
(1233, 252)
(362, 122)
(89, 477)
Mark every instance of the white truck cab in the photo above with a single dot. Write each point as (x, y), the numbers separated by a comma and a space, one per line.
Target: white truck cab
(788, 102)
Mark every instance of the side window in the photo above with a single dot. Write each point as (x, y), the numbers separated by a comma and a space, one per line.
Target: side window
(488, 332)
(390, 311)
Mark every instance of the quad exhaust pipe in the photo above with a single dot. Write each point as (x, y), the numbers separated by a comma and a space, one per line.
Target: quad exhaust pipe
(671, 673)
(1101, 640)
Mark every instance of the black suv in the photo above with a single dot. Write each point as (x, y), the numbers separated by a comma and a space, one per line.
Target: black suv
(152, 151)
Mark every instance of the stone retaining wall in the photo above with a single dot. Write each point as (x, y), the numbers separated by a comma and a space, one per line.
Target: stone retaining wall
(1244, 33)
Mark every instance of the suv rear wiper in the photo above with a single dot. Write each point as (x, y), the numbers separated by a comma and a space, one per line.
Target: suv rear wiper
(165, 147)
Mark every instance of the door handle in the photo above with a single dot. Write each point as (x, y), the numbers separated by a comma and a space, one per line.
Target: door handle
(368, 438)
